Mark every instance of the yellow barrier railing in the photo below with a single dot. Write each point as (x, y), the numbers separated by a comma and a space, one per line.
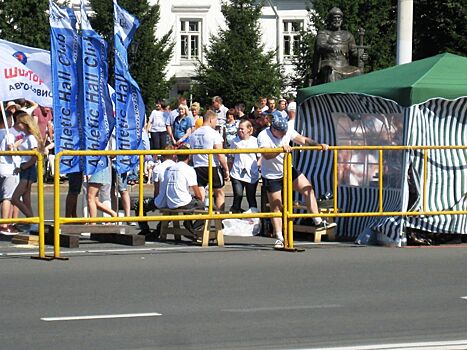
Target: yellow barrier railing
(291, 216)
(210, 215)
(39, 219)
(287, 215)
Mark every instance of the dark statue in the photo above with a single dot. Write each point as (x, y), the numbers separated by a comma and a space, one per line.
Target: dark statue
(336, 55)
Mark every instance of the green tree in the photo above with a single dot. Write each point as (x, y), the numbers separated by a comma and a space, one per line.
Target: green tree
(303, 60)
(236, 65)
(25, 22)
(148, 56)
(439, 26)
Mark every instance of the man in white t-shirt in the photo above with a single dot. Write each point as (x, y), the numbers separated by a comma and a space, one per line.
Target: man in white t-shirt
(159, 199)
(272, 170)
(282, 107)
(220, 110)
(206, 137)
(179, 183)
(291, 110)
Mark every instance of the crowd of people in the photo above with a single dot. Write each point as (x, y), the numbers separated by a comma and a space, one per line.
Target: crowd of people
(185, 186)
(179, 181)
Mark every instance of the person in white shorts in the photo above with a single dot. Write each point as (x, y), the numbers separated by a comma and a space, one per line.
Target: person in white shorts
(206, 137)
(278, 136)
(8, 179)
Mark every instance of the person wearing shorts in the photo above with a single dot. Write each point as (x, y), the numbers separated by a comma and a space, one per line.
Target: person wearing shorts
(95, 183)
(120, 182)
(29, 139)
(206, 137)
(279, 136)
(8, 180)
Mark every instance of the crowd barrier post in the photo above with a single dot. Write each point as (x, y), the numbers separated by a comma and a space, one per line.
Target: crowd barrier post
(336, 179)
(210, 188)
(425, 177)
(285, 186)
(140, 185)
(380, 177)
(289, 199)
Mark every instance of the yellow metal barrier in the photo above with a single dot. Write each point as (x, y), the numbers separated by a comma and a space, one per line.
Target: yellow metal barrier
(291, 216)
(210, 215)
(287, 213)
(39, 219)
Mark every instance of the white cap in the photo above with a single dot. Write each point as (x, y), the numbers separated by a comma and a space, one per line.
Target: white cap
(292, 106)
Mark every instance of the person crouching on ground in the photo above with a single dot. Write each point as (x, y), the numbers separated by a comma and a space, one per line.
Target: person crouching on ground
(272, 169)
(158, 201)
(180, 180)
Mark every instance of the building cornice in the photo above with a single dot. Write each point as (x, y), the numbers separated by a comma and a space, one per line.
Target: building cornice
(190, 9)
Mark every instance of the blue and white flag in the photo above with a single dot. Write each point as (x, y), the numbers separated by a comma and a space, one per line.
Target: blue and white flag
(97, 105)
(65, 59)
(25, 73)
(129, 105)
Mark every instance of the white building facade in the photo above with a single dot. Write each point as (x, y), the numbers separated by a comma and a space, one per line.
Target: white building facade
(192, 24)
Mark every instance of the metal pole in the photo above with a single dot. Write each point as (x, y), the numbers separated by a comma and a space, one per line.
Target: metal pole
(40, 205)
(404, 31)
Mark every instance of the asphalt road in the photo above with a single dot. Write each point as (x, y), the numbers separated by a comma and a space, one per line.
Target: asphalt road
(239, 297)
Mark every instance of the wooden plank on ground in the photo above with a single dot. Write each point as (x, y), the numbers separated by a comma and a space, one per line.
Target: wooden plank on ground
(24, 238)
(93, 229)
(125, 239)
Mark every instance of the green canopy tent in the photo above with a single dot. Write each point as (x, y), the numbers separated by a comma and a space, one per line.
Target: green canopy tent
(419, 103)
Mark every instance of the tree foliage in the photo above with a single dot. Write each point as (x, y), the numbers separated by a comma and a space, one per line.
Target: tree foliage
(439, 26)
(148, 56)
(25, 22)
(235, 64)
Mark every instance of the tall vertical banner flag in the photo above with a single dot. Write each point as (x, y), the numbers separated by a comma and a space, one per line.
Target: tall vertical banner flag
(65, 56)
(97, 105)
(129, 105)
(25, 73)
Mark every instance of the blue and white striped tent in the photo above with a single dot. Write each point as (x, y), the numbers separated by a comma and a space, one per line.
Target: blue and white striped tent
(421, 103)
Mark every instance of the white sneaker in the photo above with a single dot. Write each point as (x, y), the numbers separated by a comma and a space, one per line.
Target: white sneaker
(279, 244)
(324, 225)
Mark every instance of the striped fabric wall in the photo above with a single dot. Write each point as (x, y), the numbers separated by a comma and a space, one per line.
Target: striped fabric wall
(314, 119)
(439, 122)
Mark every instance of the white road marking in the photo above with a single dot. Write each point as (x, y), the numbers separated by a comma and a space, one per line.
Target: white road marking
(441, 345)
(464, 298)
(283, 308)
(161, 249)
(99, 317)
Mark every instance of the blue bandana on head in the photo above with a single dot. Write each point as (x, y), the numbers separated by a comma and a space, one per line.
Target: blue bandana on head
(280, 124)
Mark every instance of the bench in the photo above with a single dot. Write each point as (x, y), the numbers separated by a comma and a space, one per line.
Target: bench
(206, 234)
(311, 229)
(330, 232)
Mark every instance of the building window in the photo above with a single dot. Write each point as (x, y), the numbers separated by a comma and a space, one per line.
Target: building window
(291, 37)
(190, 39)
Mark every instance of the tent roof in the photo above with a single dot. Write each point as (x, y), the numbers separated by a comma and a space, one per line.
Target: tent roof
(440, 76)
